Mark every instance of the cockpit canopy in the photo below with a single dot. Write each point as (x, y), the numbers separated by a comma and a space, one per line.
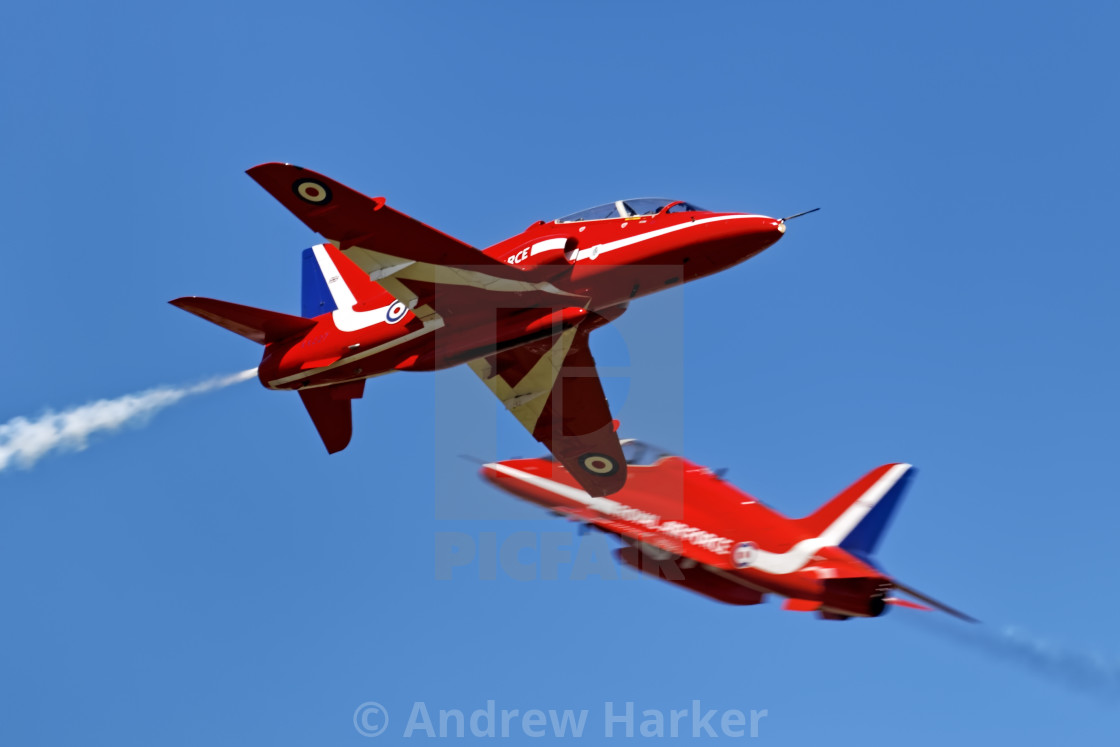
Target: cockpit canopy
(630, 209)
(640, 454)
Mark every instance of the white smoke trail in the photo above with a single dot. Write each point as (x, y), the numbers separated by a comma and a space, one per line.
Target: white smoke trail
(1086, 671)
(1089, 670)
(24, 442)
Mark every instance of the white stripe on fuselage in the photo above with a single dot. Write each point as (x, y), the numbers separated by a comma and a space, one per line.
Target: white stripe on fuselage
(793, 559)
(559, 488)
(340, 291)
(600, 249)
(612, 509)
(344, 317)
(547, 245)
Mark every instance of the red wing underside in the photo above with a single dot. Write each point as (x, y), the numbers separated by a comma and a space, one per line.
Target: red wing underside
(421, 266)
(347, 216)
(552, 388)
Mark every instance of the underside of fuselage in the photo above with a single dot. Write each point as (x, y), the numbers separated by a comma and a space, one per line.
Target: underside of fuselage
(325, 356)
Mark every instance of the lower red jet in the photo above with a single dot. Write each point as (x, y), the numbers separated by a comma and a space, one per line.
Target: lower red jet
(682, 523)
(387, 293)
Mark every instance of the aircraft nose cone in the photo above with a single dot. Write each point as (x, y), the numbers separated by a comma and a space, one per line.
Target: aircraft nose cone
(771, 226)
(764, 231)
(731, 239)
(488, 473)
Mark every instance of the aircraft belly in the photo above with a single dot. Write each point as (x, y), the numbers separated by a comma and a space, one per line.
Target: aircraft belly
(788, 585)
(360, 363)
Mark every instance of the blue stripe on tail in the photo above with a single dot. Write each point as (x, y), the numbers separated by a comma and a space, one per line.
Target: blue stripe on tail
(316, 296)
(863, 540)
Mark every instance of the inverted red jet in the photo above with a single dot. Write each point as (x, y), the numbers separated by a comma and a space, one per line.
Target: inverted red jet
(684, 524)
(387, 293)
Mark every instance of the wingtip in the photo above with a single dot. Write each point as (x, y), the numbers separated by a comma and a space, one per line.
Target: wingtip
(263, 168)
(266, 164)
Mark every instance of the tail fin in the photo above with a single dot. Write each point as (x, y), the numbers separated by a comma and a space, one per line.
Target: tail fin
(332, 281)
(258, 325)
(855, 519)
(316, 295)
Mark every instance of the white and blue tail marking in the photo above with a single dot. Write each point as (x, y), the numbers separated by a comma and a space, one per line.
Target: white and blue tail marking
(316, 298)
(333, 284)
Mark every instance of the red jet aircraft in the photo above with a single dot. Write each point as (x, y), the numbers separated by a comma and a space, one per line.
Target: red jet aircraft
(388, 293)
(681, 522)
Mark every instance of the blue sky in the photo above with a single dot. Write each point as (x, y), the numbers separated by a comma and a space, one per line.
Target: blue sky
(215, 577)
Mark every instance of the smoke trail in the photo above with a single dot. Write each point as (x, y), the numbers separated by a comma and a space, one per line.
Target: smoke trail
(1086, 671)
(24, 442)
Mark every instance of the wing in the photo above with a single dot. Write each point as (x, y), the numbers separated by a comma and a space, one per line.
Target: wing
(552, 388)
(413, 261)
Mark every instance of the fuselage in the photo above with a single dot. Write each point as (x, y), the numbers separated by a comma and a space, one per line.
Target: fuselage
(600, 265)
(674, 507)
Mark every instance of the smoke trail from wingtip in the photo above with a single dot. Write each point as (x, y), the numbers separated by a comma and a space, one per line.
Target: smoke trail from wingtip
(23, 441)
(1088, 672)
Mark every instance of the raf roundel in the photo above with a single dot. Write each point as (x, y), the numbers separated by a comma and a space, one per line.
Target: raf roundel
(313, 191)
(598, 464)
(745, 554)
(395, 312)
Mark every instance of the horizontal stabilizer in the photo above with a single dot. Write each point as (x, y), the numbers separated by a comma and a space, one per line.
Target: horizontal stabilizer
(258, 325)
(933, 603)
(801, 605)
(900, 602)
(329, 408)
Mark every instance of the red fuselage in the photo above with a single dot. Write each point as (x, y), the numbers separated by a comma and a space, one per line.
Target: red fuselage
(600, 265)
(733, 548)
